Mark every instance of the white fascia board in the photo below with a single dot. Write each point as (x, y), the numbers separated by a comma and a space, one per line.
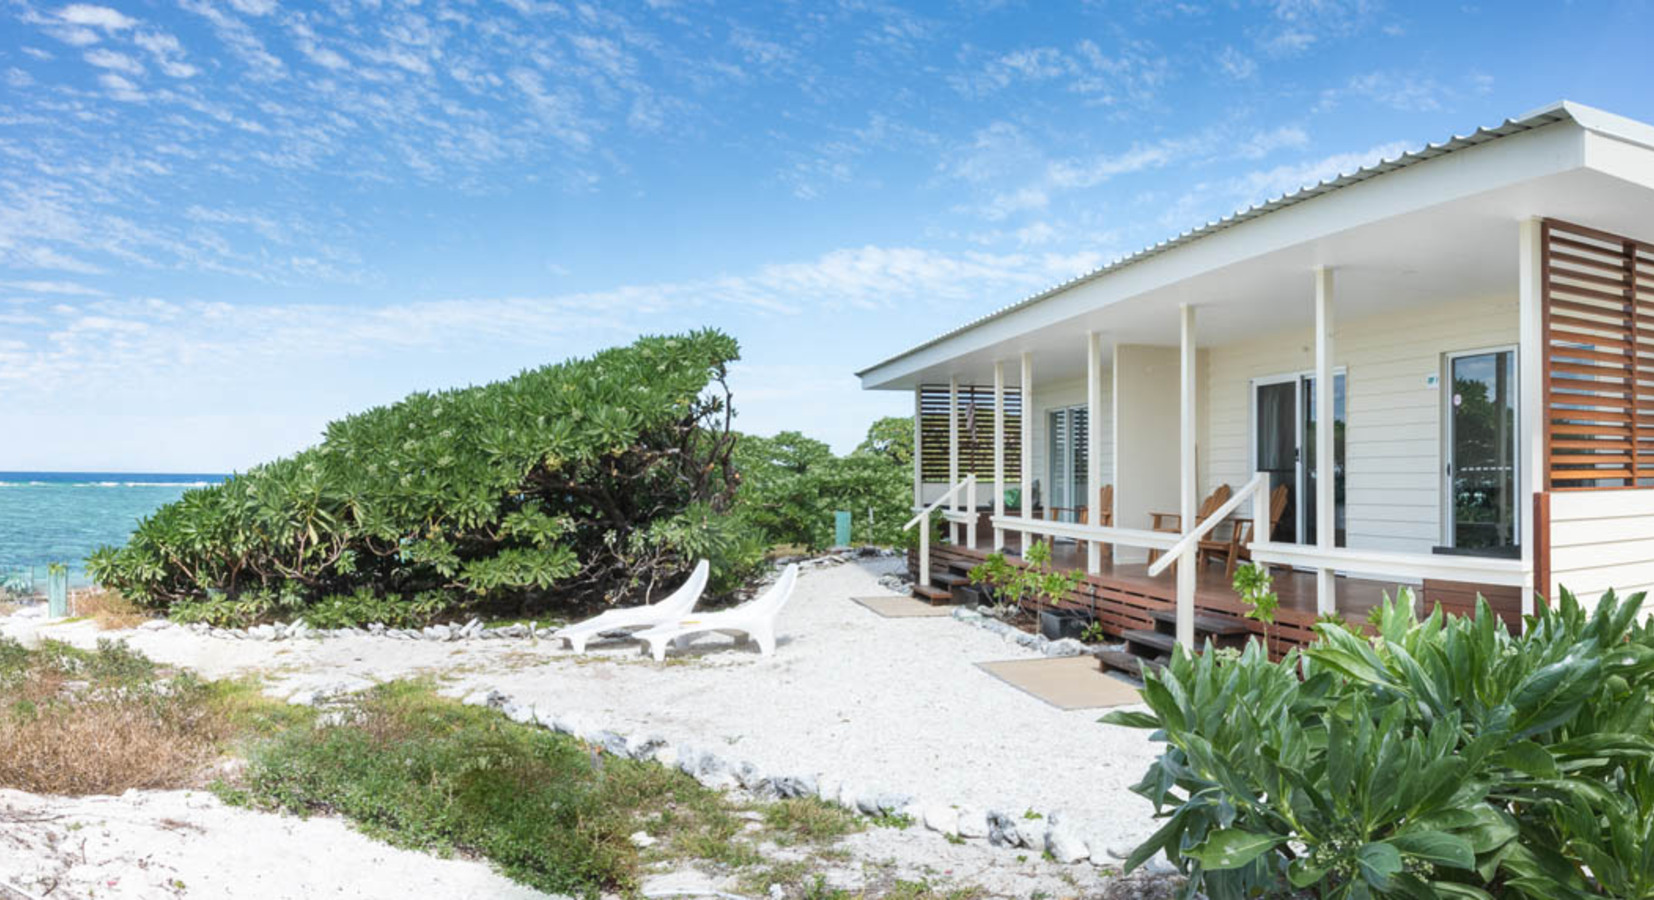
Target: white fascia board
(1548, 150)
(1624, 159)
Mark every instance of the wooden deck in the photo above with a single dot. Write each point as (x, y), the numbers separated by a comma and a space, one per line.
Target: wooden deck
(1123, 596)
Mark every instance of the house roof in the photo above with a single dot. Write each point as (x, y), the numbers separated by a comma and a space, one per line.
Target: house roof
(1586, 117)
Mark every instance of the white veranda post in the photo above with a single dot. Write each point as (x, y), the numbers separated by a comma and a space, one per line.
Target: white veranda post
(1530, 331)
(953, 449)
(1093, 442)
(918, 449)
(999, 453)
(1026, 479)
(1326, 534)
(1186, 476)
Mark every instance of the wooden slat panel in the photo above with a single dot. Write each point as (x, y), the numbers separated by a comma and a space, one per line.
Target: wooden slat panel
(1598, 295)
(975, 454)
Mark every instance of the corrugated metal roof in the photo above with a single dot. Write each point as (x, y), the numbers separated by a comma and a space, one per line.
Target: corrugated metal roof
(1548, 115)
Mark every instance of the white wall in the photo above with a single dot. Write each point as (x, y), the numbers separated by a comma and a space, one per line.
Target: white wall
(1601, 540)
(1146, 428)
(1393, 438)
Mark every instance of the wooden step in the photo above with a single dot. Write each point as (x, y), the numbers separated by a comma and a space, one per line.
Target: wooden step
(1127, 663)
(933, 593)
(948, 579)
(1217, 626)
(1155, 642)
(1120, 661)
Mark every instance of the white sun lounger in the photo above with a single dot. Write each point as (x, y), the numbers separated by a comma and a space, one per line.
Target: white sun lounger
(674, 607)
(754, 619)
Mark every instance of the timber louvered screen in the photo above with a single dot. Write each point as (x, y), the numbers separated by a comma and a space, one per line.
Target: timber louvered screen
(976, 432)
(1599, 358)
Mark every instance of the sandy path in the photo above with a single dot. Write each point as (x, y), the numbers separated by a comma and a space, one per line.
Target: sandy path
(879, 704)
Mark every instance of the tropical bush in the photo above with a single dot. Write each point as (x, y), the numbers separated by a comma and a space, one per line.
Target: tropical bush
(791, 485)
(584, 480)
(1445, 758)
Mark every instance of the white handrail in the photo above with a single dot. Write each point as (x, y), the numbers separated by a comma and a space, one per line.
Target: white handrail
(1203, 528)
(946, 496)
(1105, 534)
(1507, 572)
(969, 484)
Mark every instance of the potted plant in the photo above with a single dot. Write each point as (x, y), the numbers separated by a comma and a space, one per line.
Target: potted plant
(1035, 586)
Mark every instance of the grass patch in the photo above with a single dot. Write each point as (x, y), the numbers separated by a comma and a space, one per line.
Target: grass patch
(108, 608)
(100, 721)
(423, 771)
(807, 819)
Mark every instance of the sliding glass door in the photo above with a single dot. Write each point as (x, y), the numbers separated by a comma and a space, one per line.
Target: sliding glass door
(1481, 444)
(1068, 447)
(1283, 429)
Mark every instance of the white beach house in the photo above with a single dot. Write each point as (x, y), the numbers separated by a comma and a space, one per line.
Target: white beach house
(1484, 310)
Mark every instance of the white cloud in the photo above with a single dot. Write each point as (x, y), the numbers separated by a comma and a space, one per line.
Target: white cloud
(1236, 64)
(115, 62)
(95, 17)
(167, 52)
(70, 288)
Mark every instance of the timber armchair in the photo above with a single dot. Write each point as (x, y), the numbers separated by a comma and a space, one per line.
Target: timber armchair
(1172, 523)
(1241, 535)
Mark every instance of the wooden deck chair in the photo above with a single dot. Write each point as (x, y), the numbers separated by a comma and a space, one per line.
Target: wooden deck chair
(1241, 530)
(1172, 523)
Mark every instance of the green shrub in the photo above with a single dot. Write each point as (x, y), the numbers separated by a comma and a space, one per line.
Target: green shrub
(579, 481)
(1443, 758)
(791, 485)
(426, 772)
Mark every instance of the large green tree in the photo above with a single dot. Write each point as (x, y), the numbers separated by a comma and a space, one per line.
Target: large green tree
(583, 480)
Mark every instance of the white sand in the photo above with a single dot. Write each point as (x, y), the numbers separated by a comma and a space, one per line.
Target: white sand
(183, 844)
(880, 704)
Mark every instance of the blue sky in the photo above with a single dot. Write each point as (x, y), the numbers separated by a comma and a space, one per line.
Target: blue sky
(222, 224)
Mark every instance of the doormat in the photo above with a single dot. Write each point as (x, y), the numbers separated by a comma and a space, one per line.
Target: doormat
(897, 607)
(1066, 682)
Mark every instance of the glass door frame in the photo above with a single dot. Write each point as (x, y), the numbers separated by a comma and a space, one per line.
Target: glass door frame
(1067, 413)
(1449, 464)
(1300, 415)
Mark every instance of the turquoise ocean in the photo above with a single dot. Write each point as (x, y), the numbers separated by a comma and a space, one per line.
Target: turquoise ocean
(50, 517)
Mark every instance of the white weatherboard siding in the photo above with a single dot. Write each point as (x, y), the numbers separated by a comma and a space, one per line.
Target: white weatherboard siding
(1146, 429)
(1600, 540)
(1059, 394)
(1393, 438)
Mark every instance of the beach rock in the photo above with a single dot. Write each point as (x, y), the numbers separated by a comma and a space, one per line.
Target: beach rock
(614, 744)
(791, 786)
(522, 714)
(472, 629)
(151, 625)
(749, 776)
(972, 822)
(1065, 647)
(1064, 846)
(942, 818)
(641, 839)
(262, 632)
(966, 614)
(1002, 830)
(643, 748)
(828, 791)
(1031, 833)
(666, 755)
(436, 633)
